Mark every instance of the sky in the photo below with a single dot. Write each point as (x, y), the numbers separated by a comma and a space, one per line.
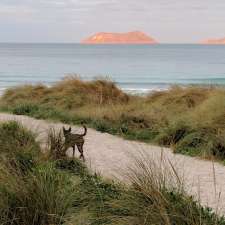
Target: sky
(168, 21)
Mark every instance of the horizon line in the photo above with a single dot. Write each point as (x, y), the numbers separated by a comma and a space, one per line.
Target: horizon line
(79, 43)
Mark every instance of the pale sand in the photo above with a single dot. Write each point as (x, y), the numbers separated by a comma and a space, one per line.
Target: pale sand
(110, 155)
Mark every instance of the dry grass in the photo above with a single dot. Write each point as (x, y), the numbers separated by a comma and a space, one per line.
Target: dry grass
(69, 93)
(191, 120)
(55, 145)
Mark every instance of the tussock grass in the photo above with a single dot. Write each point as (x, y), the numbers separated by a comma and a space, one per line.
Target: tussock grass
(56, 147)
(62, 191)
(32, 190)
(14, 137)
(18, 148)
(191, 120)
(69, 93)
(43, 196)
(157, 196)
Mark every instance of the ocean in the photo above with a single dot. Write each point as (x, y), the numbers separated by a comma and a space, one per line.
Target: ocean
(135, 68)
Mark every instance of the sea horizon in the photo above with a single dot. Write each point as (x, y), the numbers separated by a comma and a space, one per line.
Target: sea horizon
(79, 43)
(134, 68)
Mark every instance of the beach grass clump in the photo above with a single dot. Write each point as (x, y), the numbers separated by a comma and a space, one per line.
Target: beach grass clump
(43, 196)
(157, 196)
(32, 189)
(25, 109)
(18, 146)
(56, 147)
(68, 94)
(191, 120)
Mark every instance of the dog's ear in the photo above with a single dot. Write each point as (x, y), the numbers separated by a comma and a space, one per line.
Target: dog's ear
(70, 129)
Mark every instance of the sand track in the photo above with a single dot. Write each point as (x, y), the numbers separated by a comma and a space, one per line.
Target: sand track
(110, 155)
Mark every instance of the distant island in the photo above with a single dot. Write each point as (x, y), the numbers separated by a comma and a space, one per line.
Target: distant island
(214, 41)
(135, 37)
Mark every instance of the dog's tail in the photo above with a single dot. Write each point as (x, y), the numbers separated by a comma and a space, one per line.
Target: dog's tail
(85, 131)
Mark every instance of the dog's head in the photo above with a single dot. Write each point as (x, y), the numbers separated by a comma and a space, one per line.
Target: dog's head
(66, 132)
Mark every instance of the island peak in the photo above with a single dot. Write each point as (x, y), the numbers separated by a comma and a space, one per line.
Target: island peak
(220, 41)
(134, 37)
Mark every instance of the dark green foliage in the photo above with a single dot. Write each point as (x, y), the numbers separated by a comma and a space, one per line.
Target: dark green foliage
(101, 125)
(73, 166)
(50, 196)
(104, 126)
(202, 142)
(173, 133)
(16, 141)
(24, 161)
(146, 135)
(45, 197)
(13, 133)
(25, 109)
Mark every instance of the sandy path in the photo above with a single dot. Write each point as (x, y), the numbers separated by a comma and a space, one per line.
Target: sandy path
(110, 155)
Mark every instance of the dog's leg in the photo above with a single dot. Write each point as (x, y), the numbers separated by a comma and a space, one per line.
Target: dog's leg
(74, 151)
(80, 149)
(65, 150)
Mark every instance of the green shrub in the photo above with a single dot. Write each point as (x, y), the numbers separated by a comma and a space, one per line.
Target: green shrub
(25, 109)
(46, 197)
(203, 142)
(52, 113)
(101, 125)
(73, 166)
(104, 126)
(146, 135)
(15, 138)
(18, 148)
(50, 196)
(173, 133)
(24, 161)
(192, 144)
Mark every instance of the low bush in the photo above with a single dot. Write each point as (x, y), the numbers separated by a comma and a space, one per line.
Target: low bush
(173, 133)
(15, 139)
(25, 109)
(43, 197)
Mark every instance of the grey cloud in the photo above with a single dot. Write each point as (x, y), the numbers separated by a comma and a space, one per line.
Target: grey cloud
(71, 20)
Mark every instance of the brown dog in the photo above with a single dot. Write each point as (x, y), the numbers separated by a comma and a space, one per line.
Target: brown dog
(73, 140)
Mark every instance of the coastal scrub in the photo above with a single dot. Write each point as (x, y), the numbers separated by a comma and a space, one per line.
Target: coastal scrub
(190, 120)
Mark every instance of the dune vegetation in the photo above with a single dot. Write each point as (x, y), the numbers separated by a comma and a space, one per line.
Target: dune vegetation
(190, 120)
(47, 188)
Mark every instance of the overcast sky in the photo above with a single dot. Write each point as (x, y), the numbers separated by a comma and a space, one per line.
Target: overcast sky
(174, 21)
